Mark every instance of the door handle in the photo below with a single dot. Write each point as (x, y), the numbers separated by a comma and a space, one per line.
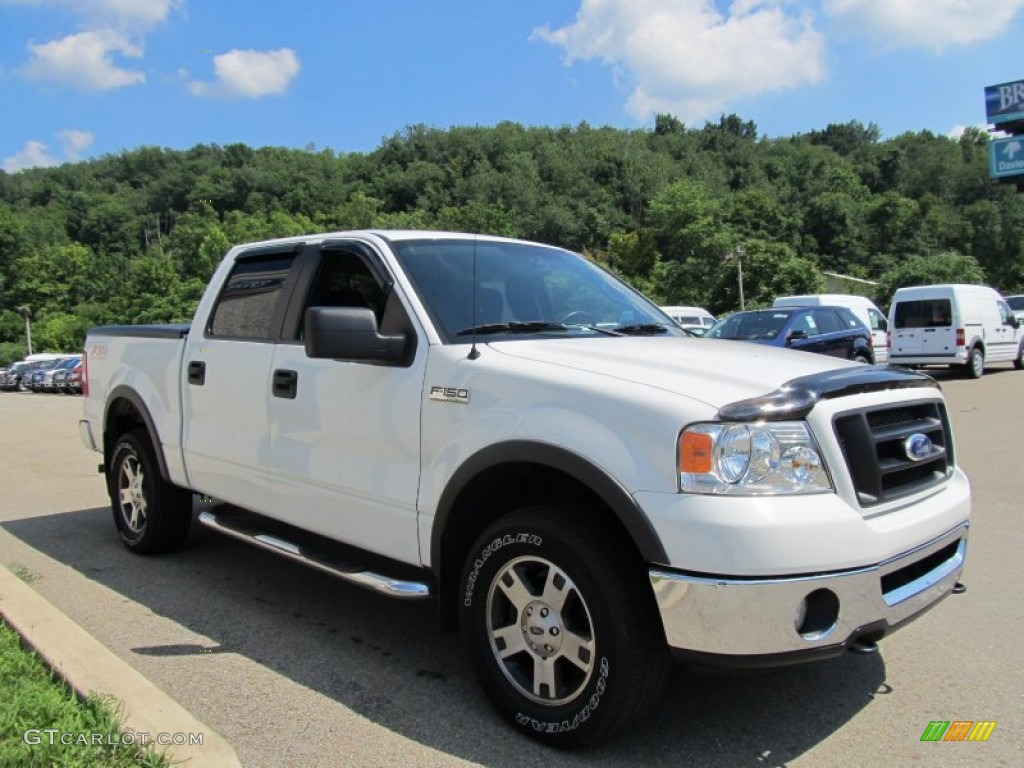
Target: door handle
(197, 372)
(285, 384)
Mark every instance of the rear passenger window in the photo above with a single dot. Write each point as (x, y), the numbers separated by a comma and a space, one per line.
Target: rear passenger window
(251, 297)
(827, 321)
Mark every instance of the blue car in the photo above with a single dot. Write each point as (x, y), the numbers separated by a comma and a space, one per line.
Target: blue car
(832, 331)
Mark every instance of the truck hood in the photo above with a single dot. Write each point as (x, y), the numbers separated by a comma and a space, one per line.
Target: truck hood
(712, 371)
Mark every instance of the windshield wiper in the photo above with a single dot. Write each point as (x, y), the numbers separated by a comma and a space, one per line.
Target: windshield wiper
(642, 329)
(534, 326)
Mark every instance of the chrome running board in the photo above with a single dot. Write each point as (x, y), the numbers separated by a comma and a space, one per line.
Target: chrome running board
(240, 525)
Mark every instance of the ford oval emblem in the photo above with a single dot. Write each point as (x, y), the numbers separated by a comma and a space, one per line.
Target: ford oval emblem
(918, 447)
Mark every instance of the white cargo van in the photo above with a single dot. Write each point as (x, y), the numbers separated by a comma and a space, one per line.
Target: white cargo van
(690, 317)
(955, 325)
(861, 306)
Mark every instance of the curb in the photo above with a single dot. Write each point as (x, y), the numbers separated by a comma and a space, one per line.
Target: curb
(90, 667)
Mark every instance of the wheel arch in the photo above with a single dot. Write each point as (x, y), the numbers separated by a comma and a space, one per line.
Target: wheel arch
(509, 475)
(126, 411)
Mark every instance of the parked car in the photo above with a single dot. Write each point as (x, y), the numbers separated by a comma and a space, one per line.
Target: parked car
(691, 318)
(75, 379)
(831, 331)
(18, 374)
(62, 375)
(1016, 303)
(861, 306)
(42, 377)
(962, 326)
(50, 381)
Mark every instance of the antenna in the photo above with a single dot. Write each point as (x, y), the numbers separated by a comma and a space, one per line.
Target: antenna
(474, 353)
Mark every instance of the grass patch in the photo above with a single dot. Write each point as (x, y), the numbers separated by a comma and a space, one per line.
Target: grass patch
(34, 700)
(23, 573)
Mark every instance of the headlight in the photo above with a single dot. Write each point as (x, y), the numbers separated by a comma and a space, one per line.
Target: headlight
(769, 458)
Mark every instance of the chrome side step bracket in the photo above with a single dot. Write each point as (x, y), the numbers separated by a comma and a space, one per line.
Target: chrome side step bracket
(350, 572)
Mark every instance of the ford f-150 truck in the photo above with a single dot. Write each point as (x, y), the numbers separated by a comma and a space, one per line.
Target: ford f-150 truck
(507, 429)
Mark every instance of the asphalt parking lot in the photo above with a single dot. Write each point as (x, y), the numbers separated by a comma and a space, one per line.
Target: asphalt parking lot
(295, 668)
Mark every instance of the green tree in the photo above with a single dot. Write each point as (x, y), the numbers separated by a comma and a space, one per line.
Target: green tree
(946, 267)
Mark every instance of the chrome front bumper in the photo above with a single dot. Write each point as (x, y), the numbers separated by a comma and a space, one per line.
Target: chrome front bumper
(736, 620)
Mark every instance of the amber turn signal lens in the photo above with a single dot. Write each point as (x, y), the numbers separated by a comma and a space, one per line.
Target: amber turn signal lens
(694, 453)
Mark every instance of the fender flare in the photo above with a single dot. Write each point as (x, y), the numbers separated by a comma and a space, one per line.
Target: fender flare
(566, 461)
(124, 392)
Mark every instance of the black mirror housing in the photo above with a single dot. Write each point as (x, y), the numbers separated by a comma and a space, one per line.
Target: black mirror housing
(350, 333)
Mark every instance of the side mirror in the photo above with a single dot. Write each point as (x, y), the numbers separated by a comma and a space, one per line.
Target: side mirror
(1013, 321)
(795, 336)
(348, 333)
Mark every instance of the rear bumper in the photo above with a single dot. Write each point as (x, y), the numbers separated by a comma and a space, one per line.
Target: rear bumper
(775, 621)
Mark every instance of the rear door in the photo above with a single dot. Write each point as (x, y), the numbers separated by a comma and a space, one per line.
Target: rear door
(226, 381)
(835, 336)
(923, 328)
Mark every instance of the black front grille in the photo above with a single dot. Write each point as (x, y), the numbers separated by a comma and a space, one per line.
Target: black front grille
(873, 441)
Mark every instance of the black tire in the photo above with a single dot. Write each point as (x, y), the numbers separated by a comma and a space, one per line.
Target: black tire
(151, 514)
(1018, 361)
(975, 365)
(546, 574)
(861, 357)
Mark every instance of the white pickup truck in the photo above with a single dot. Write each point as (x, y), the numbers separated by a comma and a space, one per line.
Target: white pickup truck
(509, 430)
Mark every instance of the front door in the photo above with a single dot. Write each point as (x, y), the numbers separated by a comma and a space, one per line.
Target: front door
(345, 436)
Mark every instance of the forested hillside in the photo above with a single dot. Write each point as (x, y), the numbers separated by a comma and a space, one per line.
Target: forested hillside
(134, 237)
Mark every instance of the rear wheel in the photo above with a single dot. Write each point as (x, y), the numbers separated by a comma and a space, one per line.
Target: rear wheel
(860, 357)
(562, 626)
(975, 366)
(151, 514)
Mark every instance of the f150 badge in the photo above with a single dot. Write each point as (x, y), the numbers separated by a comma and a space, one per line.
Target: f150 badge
(450, 395)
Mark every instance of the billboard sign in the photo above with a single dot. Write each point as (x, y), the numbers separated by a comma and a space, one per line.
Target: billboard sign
(1005, 103)
(1006, 157)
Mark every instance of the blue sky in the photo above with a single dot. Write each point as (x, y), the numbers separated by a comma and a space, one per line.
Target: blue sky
(81, 78)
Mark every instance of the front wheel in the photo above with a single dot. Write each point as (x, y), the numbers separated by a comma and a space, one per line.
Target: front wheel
(975, 366)
(1018, 361)
(151, 514)
(562, 626)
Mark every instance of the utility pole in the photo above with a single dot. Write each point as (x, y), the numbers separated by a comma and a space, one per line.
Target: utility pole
(27, 314)
(738, 253)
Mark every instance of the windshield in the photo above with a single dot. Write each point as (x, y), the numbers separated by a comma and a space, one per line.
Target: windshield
(523, 289)
(1016, 302)
(750, 325)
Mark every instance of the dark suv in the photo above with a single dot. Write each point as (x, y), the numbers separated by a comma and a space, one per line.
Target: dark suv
(832, 331)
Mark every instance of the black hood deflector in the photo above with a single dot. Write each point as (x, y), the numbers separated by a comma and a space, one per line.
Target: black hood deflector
(796, 398)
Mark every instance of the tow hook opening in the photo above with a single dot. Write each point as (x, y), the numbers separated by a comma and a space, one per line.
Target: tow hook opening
(817, 614)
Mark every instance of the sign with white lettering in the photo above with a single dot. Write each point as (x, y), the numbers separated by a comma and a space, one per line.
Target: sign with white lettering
(1006, 157)
(1005, 103)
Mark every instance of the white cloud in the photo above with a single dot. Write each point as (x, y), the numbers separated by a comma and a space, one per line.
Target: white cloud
(249, 74)
(84, 61)
(123, 14)
(932, 24)
(32, 155)
(75, 142)
(35, 154)
(685, 57)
